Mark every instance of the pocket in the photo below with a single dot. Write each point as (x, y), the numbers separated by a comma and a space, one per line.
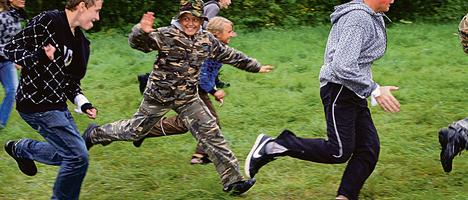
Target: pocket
(54, 118)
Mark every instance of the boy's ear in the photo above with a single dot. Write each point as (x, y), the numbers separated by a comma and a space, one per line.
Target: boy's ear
(81, 6)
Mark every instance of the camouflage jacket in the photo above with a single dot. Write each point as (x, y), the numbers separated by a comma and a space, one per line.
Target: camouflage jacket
(177, 66)
(463, 30)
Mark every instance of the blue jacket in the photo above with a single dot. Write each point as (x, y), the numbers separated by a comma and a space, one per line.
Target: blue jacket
(209, 72)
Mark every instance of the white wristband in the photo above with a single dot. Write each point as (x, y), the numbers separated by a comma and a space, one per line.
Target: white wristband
(79, 101)
(375, 94)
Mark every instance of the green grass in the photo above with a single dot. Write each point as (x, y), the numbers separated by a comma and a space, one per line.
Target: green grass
(424, 60)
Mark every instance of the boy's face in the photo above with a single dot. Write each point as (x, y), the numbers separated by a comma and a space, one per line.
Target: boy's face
(384, 5)
(89, 15)
(190, 24)
(227, 33)
(224, 3)
(17, 3)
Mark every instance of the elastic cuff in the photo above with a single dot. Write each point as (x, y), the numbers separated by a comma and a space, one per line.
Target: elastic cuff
(86, 106)
(212, 91)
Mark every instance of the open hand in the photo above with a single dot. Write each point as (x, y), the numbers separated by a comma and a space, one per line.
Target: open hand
(219, 96)
(386, 100)
(265, 69)
(92, 113)
(49, 51)
(146, 22)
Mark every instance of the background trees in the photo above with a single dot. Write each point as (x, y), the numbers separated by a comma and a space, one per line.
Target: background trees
(264, 13)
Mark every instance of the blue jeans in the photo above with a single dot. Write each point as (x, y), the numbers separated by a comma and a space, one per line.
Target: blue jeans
(64, 147)
(9, 79)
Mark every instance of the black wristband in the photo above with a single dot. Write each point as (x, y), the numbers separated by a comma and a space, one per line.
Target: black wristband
(86, 106)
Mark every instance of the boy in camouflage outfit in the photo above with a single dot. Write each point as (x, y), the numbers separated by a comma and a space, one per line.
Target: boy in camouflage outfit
(454, 139)
(182, 48)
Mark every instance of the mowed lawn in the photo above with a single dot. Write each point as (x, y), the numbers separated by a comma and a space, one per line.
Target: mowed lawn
(424, 60)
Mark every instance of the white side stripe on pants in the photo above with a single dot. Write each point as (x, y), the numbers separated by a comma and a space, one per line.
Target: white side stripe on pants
(334, 126)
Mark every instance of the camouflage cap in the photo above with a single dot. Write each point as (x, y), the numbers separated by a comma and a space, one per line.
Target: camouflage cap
(463, 32)
(194, 7)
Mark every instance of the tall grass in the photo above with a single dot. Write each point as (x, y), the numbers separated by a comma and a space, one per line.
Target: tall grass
(424, 60)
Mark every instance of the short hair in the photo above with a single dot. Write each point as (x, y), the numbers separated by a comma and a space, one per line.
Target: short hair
(71, 4)
(216, 24)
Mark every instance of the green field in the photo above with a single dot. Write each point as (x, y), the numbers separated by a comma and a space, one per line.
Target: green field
(424, 60)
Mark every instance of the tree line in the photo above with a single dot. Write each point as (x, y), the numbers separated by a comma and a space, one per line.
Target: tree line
(253, 14)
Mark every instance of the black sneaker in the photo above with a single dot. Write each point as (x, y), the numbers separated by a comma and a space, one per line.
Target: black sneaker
(239, 187)
(138, 142)
(26, 166)
(257, 156)
(87, 137)
(452, 144)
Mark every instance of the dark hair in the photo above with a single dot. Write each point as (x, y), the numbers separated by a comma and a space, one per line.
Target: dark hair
(71, 4)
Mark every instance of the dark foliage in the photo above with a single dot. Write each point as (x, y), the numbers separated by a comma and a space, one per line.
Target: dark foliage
(263, 13)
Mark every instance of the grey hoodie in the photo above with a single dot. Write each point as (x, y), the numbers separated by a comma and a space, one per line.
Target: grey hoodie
(357, 38)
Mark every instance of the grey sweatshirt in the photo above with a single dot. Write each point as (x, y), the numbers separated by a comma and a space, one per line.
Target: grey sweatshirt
(357, 38)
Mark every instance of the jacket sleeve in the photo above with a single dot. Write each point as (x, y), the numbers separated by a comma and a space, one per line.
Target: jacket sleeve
(231, 56)
(346, 66)
(72, 89)
(142, 41)
(3, 29)
(26, 48)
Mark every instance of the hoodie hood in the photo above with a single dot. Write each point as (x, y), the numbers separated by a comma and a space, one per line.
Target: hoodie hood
(343, 9)
(176, 23)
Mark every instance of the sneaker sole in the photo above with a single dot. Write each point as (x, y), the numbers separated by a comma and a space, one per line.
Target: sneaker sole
(18, 160)
(254, 147)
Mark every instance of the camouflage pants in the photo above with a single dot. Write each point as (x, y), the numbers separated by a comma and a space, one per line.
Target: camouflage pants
(195, 116)
(174, 125)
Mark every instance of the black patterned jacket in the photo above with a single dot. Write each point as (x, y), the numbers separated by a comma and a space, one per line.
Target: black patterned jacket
(46, 85)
